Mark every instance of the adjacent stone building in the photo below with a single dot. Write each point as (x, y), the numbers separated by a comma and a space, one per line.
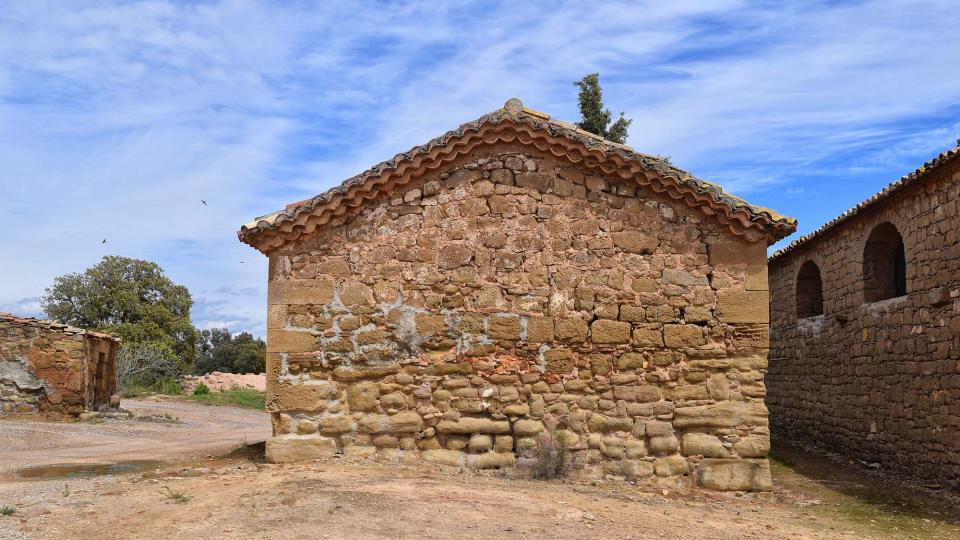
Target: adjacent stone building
(53, 368)
(518, 275)
(865, 313)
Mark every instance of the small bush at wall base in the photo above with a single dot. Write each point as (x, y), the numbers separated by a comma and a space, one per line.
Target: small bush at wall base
(7, 510)
(551, 456)
(201, 390)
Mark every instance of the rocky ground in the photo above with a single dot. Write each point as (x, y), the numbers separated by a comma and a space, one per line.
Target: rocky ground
(237, 497)
(218, 381)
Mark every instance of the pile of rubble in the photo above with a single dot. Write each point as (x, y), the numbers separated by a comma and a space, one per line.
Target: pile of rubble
(218, 381)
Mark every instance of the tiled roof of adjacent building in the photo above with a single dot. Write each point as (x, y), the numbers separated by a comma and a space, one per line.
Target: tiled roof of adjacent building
(52, 325)
(887, 192)
(515, 122)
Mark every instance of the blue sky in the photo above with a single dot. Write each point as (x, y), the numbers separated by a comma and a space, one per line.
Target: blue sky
(116, 118)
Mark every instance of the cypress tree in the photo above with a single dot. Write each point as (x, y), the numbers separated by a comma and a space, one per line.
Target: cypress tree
(594, 117)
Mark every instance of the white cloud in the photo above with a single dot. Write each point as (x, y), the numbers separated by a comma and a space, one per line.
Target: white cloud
(29, 307)
(116, 118)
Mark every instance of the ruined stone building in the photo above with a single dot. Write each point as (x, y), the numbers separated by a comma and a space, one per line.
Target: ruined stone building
(865, 315)
(518, 275)
(53, 368)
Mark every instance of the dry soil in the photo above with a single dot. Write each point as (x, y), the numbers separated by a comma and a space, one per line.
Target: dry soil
(236, 496)
(178, 430)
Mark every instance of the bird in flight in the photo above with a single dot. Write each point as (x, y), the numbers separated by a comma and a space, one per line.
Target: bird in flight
(204, 202)
(104, 241)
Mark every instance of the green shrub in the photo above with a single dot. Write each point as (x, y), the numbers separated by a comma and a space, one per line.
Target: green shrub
(169, 387)
(238, 397)
(219, 350)
(7, 510)
(147, 365)
(201, 389)
(176, 496)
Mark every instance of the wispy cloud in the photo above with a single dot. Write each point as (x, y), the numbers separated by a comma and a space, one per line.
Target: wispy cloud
(116, 118)
(29, 307)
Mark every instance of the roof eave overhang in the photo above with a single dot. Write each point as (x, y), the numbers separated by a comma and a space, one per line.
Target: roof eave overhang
(275, 230)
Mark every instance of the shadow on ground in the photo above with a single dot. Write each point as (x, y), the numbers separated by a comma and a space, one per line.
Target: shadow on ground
(881, 506)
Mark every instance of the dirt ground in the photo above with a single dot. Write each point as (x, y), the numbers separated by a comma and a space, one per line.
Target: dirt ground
(180, 430)
(237, 496)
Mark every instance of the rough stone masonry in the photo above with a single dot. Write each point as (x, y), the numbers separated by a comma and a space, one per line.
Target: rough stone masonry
(514, 276)
(54, 369)
(865, 353)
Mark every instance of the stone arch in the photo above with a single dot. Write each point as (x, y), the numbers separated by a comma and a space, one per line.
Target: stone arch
(884, 264)
(809, 291)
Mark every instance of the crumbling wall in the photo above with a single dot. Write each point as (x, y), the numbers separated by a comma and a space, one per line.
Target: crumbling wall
(511, 293)
(52, 368)
(879, 381)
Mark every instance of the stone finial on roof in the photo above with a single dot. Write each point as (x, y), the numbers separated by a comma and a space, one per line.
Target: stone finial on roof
(513, 106)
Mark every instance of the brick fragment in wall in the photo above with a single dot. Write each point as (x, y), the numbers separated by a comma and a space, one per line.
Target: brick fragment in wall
(290, 341)
(480, 306)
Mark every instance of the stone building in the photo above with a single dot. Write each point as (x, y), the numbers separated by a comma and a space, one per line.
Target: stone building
(518, 275)
(53, 368)
(865, 316)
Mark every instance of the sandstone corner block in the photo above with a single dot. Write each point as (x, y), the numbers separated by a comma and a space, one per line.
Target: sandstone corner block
(293, 449)
(743, 306)
(735, 474)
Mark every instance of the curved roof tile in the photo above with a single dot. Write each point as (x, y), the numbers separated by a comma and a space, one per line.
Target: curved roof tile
(515, 122)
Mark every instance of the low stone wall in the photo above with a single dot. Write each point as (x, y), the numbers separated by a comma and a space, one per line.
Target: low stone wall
(53, 368)
(20, 391)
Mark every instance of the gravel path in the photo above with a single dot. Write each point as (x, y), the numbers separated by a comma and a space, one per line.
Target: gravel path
(197, 430)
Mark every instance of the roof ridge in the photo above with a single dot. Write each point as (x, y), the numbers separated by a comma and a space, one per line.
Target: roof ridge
(514, 111)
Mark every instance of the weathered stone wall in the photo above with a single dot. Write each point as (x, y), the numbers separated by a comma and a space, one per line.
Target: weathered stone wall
(879, 381)
(53, 368)
(511, 292)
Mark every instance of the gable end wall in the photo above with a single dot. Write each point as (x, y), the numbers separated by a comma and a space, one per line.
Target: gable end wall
(511, 293)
